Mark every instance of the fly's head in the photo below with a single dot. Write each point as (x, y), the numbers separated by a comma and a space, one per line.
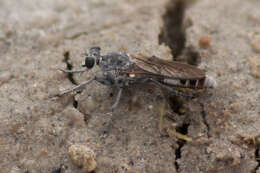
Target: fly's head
(92, 58)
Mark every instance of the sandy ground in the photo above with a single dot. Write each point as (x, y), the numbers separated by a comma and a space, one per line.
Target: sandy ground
(36, 131)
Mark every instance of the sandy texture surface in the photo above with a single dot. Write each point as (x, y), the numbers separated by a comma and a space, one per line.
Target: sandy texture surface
(36, 131)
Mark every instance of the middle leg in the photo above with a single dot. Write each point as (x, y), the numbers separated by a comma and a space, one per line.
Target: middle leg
(114, 106)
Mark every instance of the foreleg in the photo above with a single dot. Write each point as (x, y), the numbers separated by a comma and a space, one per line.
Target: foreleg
(73, 71)
(76, 87)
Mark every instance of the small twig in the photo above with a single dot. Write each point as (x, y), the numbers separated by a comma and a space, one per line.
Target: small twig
(178, 135)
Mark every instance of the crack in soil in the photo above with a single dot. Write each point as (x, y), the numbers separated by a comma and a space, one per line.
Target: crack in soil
(203, 114)
(192, 56)
(69, 66)
(173, 32)
(75, 103)
(183, 130)
(257, 157)
(173, 35)
(176, 104)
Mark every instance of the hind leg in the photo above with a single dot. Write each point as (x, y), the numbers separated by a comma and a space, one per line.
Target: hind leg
(169, 90)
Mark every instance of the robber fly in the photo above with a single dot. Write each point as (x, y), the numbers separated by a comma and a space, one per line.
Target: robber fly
(121, 70)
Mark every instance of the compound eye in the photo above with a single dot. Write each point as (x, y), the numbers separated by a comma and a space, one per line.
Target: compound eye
(89, 62)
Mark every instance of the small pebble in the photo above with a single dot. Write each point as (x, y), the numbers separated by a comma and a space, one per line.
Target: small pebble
(234, 107)
(204, 41)
(236, 86)
(8, 33)
(43, 152)
(226, 114)
(256, 44)
(255, 66)
(5, 77)
(83, 157)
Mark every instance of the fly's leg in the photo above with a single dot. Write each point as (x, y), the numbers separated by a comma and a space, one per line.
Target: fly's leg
(101, 80)
(171, 91)
(105, 81)
(73, 71)
(114, 106)
(180, 94)
(76, 87)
